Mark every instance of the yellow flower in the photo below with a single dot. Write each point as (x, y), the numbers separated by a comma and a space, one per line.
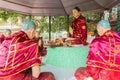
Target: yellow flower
(90, 33)
(59, 41)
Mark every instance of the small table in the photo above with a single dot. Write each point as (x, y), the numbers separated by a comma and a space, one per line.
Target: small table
(67, 57)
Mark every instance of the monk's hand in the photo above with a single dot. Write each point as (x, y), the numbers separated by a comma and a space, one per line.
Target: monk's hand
(69, 39)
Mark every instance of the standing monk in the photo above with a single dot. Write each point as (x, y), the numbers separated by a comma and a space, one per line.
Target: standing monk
(78, 29)
(104, 55)
(19, 56)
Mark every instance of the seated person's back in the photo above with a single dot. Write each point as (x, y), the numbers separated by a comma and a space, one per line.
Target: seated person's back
(19, 56)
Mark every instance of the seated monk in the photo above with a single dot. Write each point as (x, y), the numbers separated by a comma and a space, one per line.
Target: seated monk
(19, 56)
(78, 28)
(103, 61)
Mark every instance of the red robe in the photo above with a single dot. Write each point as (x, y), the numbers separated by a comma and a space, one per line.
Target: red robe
(79, 30)
(2, 38)
(17, 54)
(104, 57)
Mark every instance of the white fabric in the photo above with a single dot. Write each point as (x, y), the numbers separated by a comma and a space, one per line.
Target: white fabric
(90, 38)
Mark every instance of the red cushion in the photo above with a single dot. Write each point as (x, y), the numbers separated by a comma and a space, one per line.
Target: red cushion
(81, 73)
(43, 52)
(46, 76)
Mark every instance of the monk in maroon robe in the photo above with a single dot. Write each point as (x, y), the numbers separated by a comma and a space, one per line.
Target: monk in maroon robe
(78, 29)
(19, 56)
(104, 55)
(2, 38)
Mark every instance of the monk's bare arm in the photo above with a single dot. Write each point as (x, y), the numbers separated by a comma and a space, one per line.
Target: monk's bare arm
(36, 71)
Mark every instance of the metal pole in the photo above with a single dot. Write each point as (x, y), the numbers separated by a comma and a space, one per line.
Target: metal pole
(30, 17)
(49, 28)
(68, 23)
(118, 19)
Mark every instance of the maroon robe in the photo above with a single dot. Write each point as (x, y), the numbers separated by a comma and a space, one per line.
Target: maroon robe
(104, 57)
(79, 30)
(2, 38)
(18, 54)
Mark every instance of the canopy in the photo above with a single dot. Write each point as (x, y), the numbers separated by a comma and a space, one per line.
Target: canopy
(55, 7)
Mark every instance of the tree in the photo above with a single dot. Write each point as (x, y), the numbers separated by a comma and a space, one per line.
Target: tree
(5, 15)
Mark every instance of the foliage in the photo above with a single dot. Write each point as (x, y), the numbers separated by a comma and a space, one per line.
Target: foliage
(5, 15)
(41, 22)
(58, 23)
(92, 19)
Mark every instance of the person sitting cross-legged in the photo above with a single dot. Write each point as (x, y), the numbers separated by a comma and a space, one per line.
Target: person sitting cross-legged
(19, 56)
(103, 61)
